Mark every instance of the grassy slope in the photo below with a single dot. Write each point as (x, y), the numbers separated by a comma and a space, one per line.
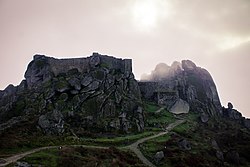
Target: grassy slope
(157, 120)
(228, 134)
(78, 156)
(27, 136)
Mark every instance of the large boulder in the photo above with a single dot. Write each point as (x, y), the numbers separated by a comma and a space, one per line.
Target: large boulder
(75, 83)
(86, 80)
(52, 123)
(159, 156)
(204, 117)
(180, 107)
(184, 144)
(188, 65)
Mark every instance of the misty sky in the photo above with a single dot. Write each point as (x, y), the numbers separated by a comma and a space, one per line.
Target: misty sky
(215, 34)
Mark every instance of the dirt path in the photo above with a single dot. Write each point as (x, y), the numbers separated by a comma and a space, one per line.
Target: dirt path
(136, 150)
(133, 147)
(14, 158)
(159, 110)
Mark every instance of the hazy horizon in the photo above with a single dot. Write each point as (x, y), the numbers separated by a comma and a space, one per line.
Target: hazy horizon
(213, 34)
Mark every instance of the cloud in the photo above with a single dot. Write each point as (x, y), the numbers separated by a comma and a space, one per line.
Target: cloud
(230, 70)
(219, 17)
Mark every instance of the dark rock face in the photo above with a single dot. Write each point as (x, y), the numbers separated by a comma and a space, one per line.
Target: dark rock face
(97, 93)
(230, 106)
(184, 144)
(247, 123)
(233, 157)
(219, 155)
(231, 113)
(204, 117)
(185, 81)
(235, 115)
(52, 122)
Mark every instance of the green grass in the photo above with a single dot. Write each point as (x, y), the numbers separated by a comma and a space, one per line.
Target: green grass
(41, 141)
(162, 117)
(199, 135)
(174, 156)
(157, 120)
(190, 124)
(79, 156)
(181, 129)
(151, 147)
(154, 145)
(151, 107)
(117, 141)
(6, 152)
(48, 158)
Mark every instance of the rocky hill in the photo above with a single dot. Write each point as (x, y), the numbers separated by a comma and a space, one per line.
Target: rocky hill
(97, 93)
(95, 101)
(100, 93)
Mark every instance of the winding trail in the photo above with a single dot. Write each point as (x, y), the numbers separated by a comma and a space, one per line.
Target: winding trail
(136, 150)
(159, 110)
(133, 147)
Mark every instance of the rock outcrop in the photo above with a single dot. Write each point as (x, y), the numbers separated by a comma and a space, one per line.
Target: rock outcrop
(204, 117)
(97, 93)
(159, 156)
(235, 115)
(185, 81)
(184, 144)
(231, 112)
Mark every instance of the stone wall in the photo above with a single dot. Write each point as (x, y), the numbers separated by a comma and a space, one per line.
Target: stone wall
(43, 68)
(58, 66)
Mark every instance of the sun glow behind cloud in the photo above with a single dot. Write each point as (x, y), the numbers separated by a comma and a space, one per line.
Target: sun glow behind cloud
(146, 14)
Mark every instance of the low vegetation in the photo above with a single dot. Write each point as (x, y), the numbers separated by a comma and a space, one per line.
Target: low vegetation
(156, 119)
(228, 136)
(27, 136)
(79, 156)
(24, 144)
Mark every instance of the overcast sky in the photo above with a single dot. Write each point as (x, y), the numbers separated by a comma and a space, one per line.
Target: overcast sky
(215, 34)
